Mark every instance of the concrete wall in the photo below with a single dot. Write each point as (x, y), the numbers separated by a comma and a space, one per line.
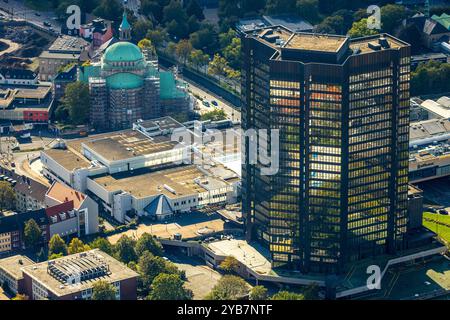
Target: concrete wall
(91, 216)
(56, 169)
(65, 228)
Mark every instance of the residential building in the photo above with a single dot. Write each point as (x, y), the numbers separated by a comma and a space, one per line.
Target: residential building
(65, 50)
(98, 31)
(70, 211)
(431, 30)
(62, 79)
(18, 76)
(72, 277)
(30, 194)
(342, 109)
(11, 274)
(12, 226)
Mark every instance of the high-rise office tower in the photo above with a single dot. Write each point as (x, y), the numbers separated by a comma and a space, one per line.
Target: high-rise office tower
(342, 109)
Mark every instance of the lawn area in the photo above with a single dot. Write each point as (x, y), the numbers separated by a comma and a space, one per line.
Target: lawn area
(435, 221)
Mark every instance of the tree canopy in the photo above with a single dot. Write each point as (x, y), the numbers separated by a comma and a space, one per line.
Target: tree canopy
(124, 249)
(103, 290)
(76, 103)
(229, 288)
(57, 246)
(32, 234)
(169, 287)
(7, 196)
(77, 246)
(148, 243)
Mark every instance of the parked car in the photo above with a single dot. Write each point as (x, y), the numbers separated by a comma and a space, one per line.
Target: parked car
(214, 102)
(443, 211)
(432, 210)
(206, 104)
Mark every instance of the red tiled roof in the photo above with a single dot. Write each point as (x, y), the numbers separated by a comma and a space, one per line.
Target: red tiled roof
(63, 193)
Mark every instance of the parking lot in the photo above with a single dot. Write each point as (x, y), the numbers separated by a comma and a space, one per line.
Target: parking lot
(200, 278)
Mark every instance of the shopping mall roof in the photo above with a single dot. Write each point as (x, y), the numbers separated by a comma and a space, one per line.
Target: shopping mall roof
(128, 144)
(67, 159)
(173, 183)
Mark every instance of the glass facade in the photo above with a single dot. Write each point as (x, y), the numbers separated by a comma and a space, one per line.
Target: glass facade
(340, 194)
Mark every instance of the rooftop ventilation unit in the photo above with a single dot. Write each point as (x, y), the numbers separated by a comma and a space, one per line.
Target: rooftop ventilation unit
(383, 42)
(374, 46)
(171, 190)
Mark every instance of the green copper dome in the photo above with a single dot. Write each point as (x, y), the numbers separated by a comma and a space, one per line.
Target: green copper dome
(124, 80)
(123, 52)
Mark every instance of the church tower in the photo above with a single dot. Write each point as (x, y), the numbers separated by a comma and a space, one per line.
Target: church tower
(125, 29)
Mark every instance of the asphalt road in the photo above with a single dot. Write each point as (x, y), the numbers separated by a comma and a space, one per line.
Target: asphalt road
(17, 10)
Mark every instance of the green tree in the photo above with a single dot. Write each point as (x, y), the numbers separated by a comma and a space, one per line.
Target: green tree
(205, 39)
(157, 36)
(148, 243)
(77, 101)
(218, 65)
(7, 196)
(286, 295)
(229, 265)
(198, 59)
(194, 9)
(56, 245)
(102, 244)
(77, 246)
(280, 6)
(149, 266)
(141, 28)
(258, 293)
(360, 29)
(229, 12)
(32, 234)
(54, 256)
(214, 115)
(103, 290)
(169, 287)
(124, 249)
(110, 10)
(392, 16)
(308, 10)
(331, 25)
(232, 53)
(229, 288)
(225, 38)
(183, 50)
(311, 292)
